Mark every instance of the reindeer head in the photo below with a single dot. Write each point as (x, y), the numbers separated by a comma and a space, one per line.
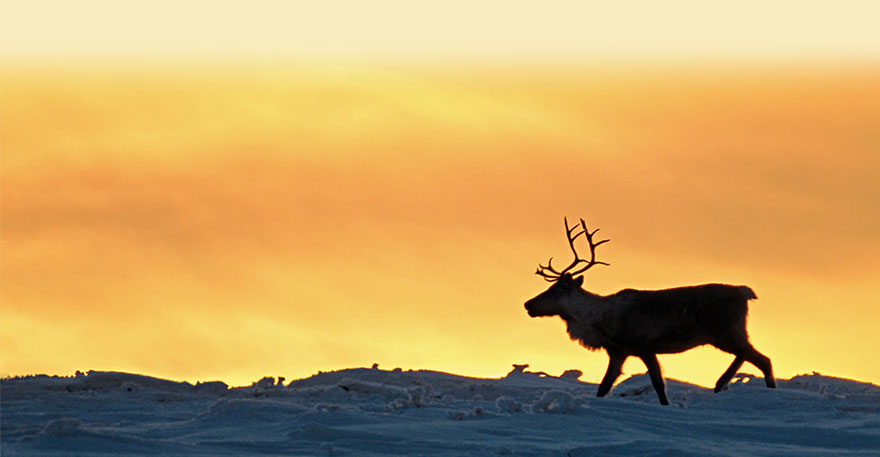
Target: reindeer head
(552, 301)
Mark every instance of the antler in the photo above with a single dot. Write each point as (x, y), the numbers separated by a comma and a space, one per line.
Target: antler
(550, 274)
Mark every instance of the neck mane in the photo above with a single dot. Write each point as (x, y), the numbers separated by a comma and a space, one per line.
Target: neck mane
(581, 313)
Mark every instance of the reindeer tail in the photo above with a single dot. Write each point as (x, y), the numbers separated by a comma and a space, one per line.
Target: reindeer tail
(747, 293)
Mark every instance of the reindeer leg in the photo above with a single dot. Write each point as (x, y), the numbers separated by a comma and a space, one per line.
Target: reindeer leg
(728, 375)
(615, 364)
(763, 363)
(656, 376)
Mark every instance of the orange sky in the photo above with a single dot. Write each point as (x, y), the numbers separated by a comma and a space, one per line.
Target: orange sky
(220, 190)
(216, 222)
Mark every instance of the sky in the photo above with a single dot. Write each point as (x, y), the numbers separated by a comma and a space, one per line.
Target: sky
(227, 192)
(451, 29)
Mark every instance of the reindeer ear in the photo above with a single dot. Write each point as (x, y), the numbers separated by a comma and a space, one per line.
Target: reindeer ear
(579, 281)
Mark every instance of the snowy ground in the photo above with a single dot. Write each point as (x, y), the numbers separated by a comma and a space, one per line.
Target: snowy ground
(370, 412)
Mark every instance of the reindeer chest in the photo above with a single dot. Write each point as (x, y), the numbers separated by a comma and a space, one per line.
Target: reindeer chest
(584, 330)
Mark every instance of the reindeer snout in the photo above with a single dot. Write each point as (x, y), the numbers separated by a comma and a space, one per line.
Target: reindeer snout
(529, 309)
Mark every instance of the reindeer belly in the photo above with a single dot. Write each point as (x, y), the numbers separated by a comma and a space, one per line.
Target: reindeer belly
(660, 333)
(668, 342)
(675, 346)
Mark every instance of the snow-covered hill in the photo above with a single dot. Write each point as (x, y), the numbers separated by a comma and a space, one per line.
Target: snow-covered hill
(371, 412)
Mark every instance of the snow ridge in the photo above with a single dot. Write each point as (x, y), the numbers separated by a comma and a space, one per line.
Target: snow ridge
(372, 412)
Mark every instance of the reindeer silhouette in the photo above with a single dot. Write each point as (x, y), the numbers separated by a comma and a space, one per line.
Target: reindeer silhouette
(644, 323)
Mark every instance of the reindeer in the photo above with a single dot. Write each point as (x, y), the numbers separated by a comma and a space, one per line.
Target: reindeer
(644, 323)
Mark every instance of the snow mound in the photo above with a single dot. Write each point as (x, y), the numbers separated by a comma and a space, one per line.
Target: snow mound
(557, 402)
(509, 405)
(373, 412)
(62, 428)
(97, 381)
(106, 380)
(819, 383)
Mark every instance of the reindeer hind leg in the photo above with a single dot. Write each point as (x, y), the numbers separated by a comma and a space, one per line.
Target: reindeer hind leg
(728, 375)
(763, 363)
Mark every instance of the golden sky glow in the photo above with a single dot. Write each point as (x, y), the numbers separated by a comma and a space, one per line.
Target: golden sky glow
(284, 220)
(197, 191)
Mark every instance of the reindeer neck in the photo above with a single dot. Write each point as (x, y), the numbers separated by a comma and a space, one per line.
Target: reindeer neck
(584, 306)
(583, 312)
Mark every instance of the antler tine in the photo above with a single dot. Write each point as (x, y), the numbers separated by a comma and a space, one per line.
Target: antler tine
(547, 277)
(572, 233)
(542, 271)
(568, 232)
(593, 246)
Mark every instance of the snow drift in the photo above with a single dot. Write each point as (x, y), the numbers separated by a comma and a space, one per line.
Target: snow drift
(371, 412)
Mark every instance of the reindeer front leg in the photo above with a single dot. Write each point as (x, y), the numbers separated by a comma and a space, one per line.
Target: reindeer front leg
(615, 365)
(656, 376)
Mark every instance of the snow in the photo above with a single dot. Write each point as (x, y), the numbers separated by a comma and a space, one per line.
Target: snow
(372, 412)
